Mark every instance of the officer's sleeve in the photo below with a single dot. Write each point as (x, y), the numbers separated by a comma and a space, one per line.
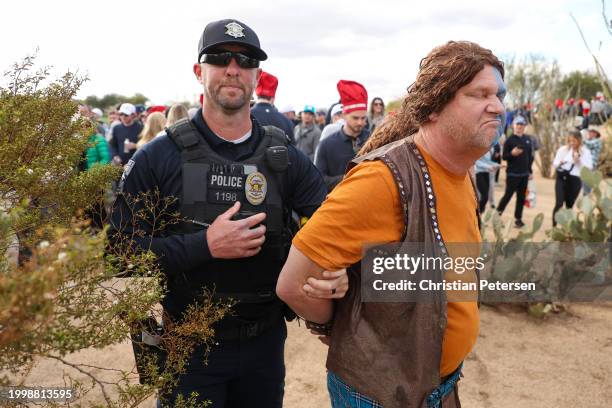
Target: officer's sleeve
(306, 187)
(133, 221)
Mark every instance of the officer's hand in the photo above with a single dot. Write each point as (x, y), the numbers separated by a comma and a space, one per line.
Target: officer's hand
(228, 239)
(334, 285)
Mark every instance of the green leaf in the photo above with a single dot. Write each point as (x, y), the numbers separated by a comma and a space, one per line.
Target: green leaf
(597, 177)
(563, 216)
(557, 235)
(587, 177)
(606, 208)
(587, 205)
(537, 223)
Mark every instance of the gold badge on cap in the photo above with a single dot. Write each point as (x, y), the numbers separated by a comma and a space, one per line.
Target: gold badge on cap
(255, 188)
(234, 30)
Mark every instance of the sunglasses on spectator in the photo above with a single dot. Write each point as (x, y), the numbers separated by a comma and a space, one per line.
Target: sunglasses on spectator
(223, 59)
(378, 104)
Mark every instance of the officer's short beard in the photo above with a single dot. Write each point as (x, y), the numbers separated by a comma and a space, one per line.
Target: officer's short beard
(228, 105)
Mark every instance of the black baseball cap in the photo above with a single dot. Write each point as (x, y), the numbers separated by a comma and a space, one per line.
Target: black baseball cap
(230, 31)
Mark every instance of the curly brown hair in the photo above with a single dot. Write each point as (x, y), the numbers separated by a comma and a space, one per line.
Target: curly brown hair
(441, 73)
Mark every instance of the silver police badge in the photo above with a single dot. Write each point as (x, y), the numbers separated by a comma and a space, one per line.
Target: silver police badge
(255, 188)
(234, 30)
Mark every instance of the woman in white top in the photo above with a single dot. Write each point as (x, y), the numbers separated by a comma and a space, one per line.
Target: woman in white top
(568, 162)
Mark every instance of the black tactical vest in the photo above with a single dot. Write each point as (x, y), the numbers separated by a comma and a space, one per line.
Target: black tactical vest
(212, 184)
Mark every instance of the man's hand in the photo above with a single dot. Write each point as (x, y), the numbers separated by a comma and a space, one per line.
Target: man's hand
(117, 161)
(228, 239)
(334, 285)
(516, 151)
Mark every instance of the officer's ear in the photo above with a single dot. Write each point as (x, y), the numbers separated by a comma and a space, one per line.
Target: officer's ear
(433, 117)
(197, 70)
(258, 75)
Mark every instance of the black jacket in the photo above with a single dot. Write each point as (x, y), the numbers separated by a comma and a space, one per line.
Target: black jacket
(519, 165)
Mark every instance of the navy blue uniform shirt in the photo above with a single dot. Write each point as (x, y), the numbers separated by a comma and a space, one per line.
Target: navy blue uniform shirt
(334, 154)
(158, 166)
(266, 114)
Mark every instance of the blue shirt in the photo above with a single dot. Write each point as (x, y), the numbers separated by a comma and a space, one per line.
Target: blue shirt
(120, 134)
(266, 114)
(334, 154)
(157, 166)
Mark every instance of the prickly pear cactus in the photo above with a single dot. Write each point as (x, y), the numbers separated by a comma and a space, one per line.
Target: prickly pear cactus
(591, 218)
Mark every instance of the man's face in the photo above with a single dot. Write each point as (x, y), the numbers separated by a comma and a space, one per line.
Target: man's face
(307, 118)
(474, 117)
(84, 111)
(518, 129)
(127, 120)
(320, 118)
(355, 122)
(229, 87)
(290, 115)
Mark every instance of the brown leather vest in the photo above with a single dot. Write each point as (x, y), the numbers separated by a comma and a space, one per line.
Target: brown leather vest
(391, 352)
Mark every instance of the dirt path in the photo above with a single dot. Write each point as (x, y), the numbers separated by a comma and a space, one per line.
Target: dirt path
(562, 361)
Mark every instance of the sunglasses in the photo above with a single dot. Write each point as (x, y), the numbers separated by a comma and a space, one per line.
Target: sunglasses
(223, 59)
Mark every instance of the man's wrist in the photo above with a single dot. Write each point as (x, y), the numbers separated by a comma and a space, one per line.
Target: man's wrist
(323, 329)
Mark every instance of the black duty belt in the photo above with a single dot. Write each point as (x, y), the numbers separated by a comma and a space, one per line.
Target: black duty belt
(248, 329)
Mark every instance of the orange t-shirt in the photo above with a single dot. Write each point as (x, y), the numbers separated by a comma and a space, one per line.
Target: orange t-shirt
(365, 208)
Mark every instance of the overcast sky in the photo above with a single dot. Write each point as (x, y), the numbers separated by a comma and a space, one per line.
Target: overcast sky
(149, 47)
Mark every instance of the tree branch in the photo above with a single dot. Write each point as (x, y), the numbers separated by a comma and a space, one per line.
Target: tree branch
(100, 383)
(607, 22)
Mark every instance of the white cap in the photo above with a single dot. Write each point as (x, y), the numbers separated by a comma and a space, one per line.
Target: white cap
(98, 112)
(127, 109)
(287, 108)
(336, 109)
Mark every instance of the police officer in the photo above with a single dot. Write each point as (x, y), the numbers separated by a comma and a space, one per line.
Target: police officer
(236, 183)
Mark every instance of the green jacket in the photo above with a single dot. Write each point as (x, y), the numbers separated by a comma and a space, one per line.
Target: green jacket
(97, 152)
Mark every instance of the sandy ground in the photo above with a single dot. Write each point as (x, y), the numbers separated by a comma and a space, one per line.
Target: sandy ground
(561, 361)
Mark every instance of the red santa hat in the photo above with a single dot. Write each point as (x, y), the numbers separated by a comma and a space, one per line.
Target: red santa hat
(353, 96)
(267, 85)
(156, 108)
